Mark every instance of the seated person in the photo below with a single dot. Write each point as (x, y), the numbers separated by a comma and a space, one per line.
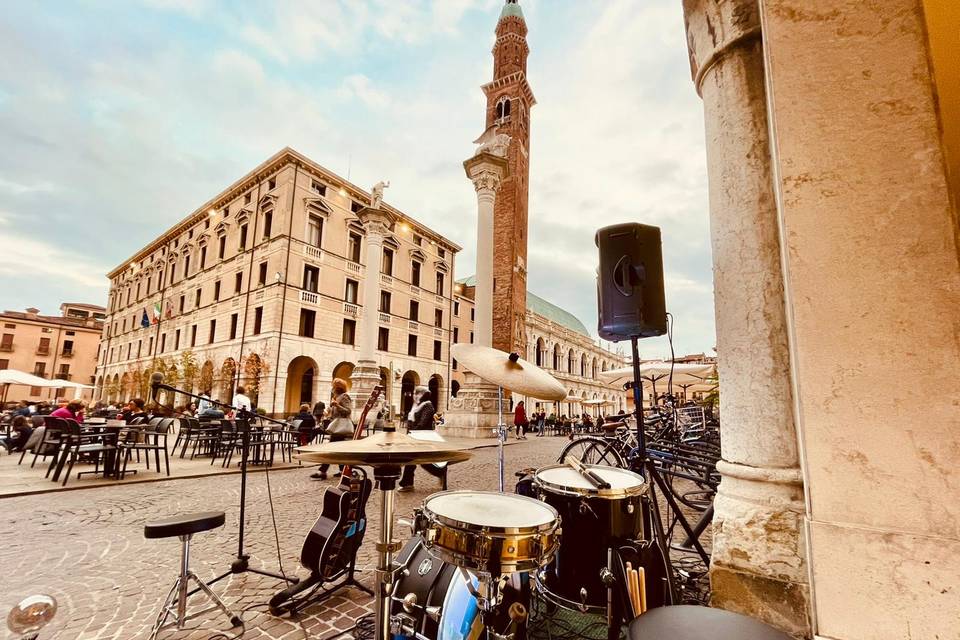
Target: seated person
(308, 425)
(20, 432)
(73, 411)
(206, 409)
(134, 409)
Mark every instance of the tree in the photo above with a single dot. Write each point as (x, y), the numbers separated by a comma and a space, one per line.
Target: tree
(188, 369)
(255, 369)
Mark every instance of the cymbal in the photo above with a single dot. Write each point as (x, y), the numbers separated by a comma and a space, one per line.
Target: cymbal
(520, 376)
(385, 448)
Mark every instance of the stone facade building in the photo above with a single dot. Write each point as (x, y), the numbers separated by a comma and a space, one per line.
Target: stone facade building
(62, 347)
(262, 285)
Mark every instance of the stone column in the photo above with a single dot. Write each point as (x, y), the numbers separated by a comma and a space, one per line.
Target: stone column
(759, 555)
(473, 413)
(366, 373)
(486, 171)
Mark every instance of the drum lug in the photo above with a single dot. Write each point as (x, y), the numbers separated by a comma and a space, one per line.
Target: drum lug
(606, 577)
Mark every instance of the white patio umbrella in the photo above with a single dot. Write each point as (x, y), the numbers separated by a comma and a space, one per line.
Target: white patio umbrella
(653, 372)
(10, 377)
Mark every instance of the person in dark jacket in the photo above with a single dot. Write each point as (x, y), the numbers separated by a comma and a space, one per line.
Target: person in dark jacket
(520, 421)
(20, 431)
(421, 418)
(134, 409)
(307, 426)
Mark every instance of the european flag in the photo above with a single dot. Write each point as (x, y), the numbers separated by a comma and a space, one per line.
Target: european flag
(144, 321)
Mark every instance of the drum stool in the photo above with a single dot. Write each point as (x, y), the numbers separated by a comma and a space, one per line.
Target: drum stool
(689, 622)
(184, 527)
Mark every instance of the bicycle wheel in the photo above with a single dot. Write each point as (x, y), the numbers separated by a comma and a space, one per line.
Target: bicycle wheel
(593, 450)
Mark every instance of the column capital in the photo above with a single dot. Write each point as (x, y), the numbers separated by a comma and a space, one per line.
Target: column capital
(486, 171)
(376, 222)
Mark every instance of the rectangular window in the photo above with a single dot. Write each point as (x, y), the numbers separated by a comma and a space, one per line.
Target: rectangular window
(271, 184)
(437, 349)
(151, 345)
(44, 347)
(183, 303)
(243, 237)
(176, 339)
(257, 320)
(440, 284)
(193, 335)
(149, 281)
(247, 197)
(163, 344)
(456, 308)
(473, 315)
(238, 282)
(262, 276)
(196, 298)
(349, 331)
(40, 369)
(315, 231)
(355, 207)
(415, 274)
(233, 325)
(453, 363)
(67, 348)
(64, 373)
(350, 291)
(412, 345)
(418, 240)
(318, 188)
(173, 272)
(186, 273)
(414, 310)
(216, 291)
(213, 332)
(34, 391)
(353, 247)
(4, 363)
(471, 337)
(267, 224)
(386, 263)
(456, 335)
(385, 300)
(139, 347)
(441, 252)
(203, 262)
(6, 343)
(222, 248)
(383, 339)
(438, 318)
(311, 278)
(308, 320)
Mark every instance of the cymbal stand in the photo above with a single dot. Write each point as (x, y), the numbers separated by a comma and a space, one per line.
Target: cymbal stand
(501, 432)
(386, 478)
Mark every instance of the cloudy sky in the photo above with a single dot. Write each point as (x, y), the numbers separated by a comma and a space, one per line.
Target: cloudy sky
(118, 119)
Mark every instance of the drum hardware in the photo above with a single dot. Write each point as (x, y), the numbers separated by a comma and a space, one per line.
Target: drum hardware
(386, 451)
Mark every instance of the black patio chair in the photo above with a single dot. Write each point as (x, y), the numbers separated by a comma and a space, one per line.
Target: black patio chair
(154, 439)
(78, 443)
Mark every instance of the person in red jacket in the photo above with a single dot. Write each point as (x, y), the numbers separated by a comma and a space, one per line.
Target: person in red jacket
(520, 420)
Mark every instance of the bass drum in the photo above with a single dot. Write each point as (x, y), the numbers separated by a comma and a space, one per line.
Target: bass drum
(438, 584)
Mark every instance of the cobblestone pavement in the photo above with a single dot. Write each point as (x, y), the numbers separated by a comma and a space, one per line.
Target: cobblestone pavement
(86, 548)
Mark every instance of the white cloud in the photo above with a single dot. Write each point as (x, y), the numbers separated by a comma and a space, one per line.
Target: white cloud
(362, 88)
(46, 264)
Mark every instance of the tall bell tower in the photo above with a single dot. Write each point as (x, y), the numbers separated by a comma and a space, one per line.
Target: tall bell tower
(509, 100)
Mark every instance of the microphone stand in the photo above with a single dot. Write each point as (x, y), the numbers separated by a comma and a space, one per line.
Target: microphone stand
(241, 563)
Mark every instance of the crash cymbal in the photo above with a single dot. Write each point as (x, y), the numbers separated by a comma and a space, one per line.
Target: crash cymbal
(386, 448)
(501, 369)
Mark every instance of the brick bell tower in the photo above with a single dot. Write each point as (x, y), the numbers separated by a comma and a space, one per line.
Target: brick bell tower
(509, 99)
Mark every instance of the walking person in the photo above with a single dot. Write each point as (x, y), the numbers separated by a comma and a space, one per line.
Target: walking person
(341, 426)
(520, 421)
(420, 418)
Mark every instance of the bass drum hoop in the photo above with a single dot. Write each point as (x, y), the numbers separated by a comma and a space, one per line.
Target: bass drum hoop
(579, 492)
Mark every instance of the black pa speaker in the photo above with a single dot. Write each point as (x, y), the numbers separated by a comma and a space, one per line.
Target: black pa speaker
(630, 282)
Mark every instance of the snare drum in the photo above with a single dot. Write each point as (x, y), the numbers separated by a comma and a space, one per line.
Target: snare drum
(593, 521)
(488, 532)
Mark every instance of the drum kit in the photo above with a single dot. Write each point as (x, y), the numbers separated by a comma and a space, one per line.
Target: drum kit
(477, 556)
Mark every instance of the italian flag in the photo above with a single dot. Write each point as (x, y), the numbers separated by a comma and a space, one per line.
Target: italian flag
(156, 312)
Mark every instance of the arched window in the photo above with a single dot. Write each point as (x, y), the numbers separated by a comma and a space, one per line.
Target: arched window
(541, 355)
(593, 369)
(583, 365)
(503, 108)
(556, 357)
(570, 361)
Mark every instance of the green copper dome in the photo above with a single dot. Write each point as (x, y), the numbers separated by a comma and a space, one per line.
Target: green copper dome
(511, 9)
(546, 309)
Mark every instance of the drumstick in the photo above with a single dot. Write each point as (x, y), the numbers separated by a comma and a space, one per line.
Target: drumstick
(631, 590)
(642, 588)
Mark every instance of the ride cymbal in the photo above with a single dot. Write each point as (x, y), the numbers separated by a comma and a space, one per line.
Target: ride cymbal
(507, 371)
(386, 448)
